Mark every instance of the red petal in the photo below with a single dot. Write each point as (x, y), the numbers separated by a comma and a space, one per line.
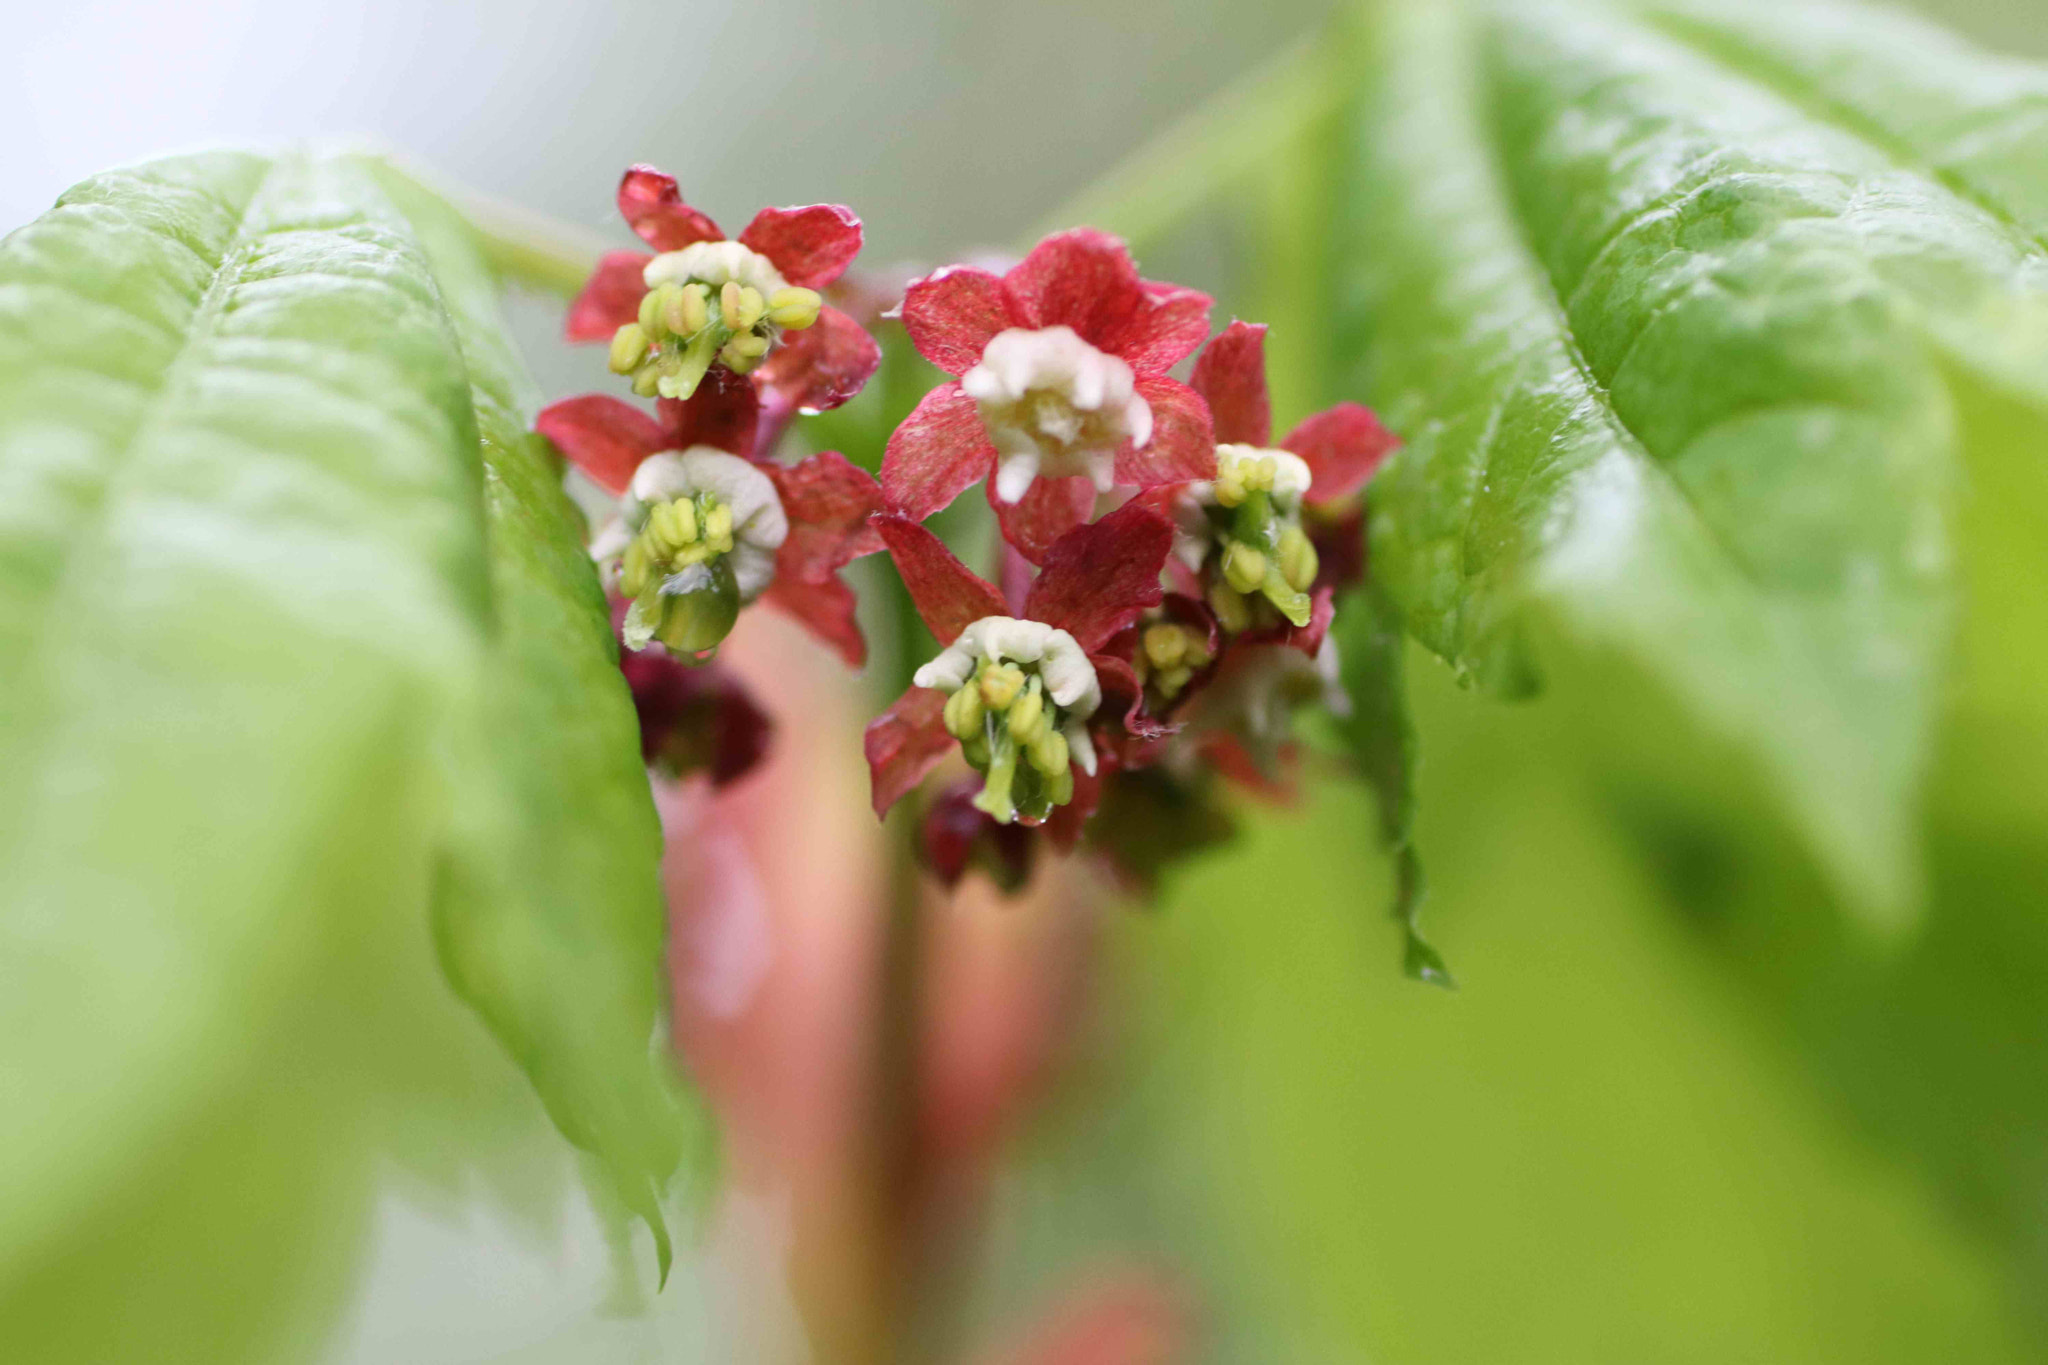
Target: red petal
(1081, 279)
(724, 412)
(1048, 510)
(1064, 825)
(949, 595)
(654, 209)
(1123, 698)
(610, 298)
(826, 608)
(954, 831)
(829, 502)
(904, 743)
(952, 313)
(1165, 329)
(811, 246)
(1183, 445)
(1344, 447)
(603, 436)
(940, 449)
(818, 368)
(1098, 578)
(1231, 377)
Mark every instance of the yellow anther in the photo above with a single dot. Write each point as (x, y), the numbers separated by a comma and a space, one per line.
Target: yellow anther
(650, 312)
(1230, 489)
(1233, 613)
(1244, 567)
(1170, 683)
(692, 310)
(1298, 559)
(696, 553)
(685, 512)
(743, 353)
(964, 713)
(795, 309)
(717, 525)
(662, 528)
(1026, 717)
(634, 569)
(1165, 644)
(729, 304)
(1267, 470)
(647, 379)
(1000, 685)
(749, 310)
(629, 348)
(1048, 752)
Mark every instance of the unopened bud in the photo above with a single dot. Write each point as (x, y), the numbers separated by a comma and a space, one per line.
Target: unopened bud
(1244, 567)
(794, 308)
(1298, 559)
(629, 347)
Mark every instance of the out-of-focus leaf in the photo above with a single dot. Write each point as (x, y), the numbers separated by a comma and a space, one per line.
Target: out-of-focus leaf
(1381, 737)
(550, 916)
(1672, 352)
(240, 591)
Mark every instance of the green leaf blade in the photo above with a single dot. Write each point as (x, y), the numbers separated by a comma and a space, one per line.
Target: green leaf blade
(225, 636)
(1667, 349)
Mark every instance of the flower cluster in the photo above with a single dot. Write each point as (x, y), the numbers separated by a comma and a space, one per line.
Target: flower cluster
(1165, 577)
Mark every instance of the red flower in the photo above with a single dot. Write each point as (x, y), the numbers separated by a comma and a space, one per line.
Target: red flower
(1060, 392)
(1020, 693)
(824, 503)
(750, 306)
(1243, 541)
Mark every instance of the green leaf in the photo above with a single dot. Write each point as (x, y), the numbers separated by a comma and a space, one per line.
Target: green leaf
(240, 589)
(299, 651)
(1673, 353)
(1381, 737)
(550, 920)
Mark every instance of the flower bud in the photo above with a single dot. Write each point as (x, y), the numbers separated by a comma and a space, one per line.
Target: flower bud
(629, 347)
(1244, 567)
(701, 615)
(793, 308)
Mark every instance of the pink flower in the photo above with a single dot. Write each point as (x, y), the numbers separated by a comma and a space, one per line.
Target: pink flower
(751, 306)
(1020, 693)
(788, 554)
(1060, 392)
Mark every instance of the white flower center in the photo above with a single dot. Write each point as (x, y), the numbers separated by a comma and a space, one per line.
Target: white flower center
(758, 524)
(714, 263)
(1062, 665)
(1054, 405)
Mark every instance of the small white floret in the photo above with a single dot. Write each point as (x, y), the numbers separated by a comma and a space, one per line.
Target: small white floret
(714, 263)
(1055, 405)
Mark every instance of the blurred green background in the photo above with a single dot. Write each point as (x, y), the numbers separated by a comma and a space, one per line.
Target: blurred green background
(1641, 1131)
